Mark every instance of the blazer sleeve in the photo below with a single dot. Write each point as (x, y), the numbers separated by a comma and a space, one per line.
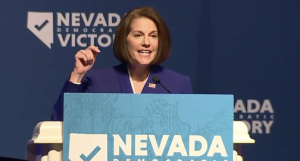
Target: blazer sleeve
(187, 86)
(69, 87)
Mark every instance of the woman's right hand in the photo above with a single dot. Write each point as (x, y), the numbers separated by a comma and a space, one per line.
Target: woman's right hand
(84, 61)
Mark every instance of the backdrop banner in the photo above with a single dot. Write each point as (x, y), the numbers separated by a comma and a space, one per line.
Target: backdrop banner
(147, 127)
(249, 49)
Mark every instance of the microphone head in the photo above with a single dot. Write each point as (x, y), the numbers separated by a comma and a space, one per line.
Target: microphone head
(155, 79)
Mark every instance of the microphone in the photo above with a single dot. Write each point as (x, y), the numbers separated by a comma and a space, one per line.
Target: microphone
(157, 80)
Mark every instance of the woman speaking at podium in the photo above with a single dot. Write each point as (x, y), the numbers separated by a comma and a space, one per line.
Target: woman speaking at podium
(142, 42)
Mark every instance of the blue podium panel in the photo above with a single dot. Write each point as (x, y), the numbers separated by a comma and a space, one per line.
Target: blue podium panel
(147, 127)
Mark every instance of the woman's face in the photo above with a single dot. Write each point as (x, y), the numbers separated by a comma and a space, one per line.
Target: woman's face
(143, 41)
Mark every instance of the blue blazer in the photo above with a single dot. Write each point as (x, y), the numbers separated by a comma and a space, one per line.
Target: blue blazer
(116, 80)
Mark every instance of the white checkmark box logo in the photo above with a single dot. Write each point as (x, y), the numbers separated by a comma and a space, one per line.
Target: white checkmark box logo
(91, 147)
(41, 25)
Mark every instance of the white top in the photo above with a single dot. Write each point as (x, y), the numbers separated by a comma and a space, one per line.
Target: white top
(132, 86)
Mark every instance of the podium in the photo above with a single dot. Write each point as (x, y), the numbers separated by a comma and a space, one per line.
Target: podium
(140, 127)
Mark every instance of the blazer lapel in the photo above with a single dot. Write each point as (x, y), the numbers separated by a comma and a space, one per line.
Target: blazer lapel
(123, 77)
(151, 86)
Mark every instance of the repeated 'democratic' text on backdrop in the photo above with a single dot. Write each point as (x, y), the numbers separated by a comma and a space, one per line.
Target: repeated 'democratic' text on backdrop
(258, 115)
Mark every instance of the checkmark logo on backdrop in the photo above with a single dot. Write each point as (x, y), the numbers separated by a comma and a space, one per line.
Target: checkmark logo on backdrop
(40, 27)
(91, 155)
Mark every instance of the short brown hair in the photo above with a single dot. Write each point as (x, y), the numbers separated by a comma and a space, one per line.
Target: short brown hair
(120, 46)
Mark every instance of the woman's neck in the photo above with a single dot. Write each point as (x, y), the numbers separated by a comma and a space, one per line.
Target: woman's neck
(139, 73)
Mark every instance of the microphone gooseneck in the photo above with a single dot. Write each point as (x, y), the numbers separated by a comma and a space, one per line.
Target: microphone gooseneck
(157, 80)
